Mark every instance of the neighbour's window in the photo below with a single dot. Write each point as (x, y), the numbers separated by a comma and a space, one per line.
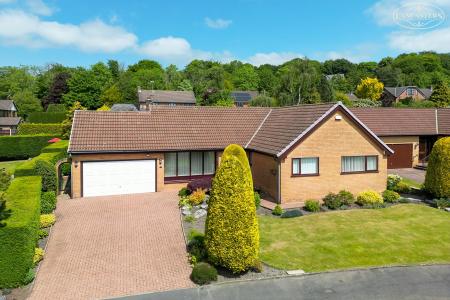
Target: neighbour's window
(186, 164)
(410, 91)
(359, 164)
(305, 166)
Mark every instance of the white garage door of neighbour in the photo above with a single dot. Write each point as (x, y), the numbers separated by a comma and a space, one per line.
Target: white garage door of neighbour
(118, 177)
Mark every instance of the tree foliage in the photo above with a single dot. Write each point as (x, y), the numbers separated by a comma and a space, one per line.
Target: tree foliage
(67, 123)
(26, 103)
(441, 95)
(437, 178)
(369, 88)
(263, 101)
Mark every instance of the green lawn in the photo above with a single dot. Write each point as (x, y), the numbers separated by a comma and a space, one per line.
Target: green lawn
(400, 235)
(10, 165)
(412, 183)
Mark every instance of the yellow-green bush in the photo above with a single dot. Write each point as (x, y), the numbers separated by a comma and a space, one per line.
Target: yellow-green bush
(47, 220)
(231, 232)
(38, 255)
(369, 198)
(437, 179)
(197, 197)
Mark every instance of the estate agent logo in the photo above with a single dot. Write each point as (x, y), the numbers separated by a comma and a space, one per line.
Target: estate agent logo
(419, 16)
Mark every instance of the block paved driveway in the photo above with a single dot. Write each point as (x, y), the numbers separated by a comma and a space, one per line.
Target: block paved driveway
(113, 246)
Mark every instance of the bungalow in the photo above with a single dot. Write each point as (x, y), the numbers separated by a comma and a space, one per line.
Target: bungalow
(395, 94)
(9, 121)
(148, 98)
(295, 153)
(242, 98)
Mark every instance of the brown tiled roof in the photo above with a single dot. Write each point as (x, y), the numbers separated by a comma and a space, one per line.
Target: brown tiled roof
(9, 121)
(443, 115)
(163, 96)
(284, 125)
(388, 121)
(164, 128)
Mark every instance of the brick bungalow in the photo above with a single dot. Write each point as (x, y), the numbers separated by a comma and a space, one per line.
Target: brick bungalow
(296, 153)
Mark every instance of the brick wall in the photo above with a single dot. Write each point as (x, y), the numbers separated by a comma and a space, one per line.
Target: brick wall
(264, 171)
(332, 140)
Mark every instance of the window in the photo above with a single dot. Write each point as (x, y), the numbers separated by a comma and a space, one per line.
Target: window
(305, 166)
(187, 164)
(359, 164)
(410, 92)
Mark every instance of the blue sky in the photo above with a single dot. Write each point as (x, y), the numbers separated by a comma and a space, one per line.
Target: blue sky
(83, 32)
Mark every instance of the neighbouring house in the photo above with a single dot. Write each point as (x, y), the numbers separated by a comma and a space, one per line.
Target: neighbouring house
(242, 98)
(295, 153)
(395, 94)
(148, 98)
(123, 107)
(410, 132)
(9, 121)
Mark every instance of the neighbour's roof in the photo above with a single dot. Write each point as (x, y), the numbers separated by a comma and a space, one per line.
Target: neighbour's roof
(388, 121)
(165, 128)
(162, 96)
(6, 105)
(443, 115)
(397, 91)
(123, 107)
(243, 96)
(9, 121)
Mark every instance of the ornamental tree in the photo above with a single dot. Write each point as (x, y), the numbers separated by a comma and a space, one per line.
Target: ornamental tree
(437, 178)
(369, 88)
(231, 233)
(441, 95)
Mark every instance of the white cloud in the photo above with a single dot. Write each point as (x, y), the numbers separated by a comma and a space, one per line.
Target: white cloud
(273, 58)
(217, 23)
(38, 7)
(20, 28)
(436, 40)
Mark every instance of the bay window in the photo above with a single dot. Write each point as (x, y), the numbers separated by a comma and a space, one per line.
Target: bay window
(305, 166)
(359, 164)
(187, 164)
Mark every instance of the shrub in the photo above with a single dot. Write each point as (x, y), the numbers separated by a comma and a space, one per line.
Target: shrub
(18, 237)
(203, 273)
(29, 277)
(184, 201)
(332, 201)
(56, 108)
(312, 205)
(48, 173)
(196, 247)
(65, 169)
(5, 180)
(48, 202)
(37, 128)
(46, 117)
(47, 220)
(346, 198)
(201, 183)
(42, 234)
(38, 255)
(402, 187)
(293, 213)
(390, 196)
(442, 203)
(437, 178)
(257, 200)
(232, 233)
(392, 181)
(183, 192)
(21, 146)
(369, 198)
(277, 210)
(197, 197)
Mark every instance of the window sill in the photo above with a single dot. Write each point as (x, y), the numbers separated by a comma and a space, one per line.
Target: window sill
(305, 175)
(359, 172)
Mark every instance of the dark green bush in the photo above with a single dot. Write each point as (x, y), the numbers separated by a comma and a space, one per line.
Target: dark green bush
(22, 146)
(293, 213)
(196, 247)
(203, 273)
(38, 128)
(390, 196)
(42, 234)
(48, 173)
(402, 187)
(346, 198)
(18, 238)
(52, 108)
(48, 202)
(257, 200)
(66, 169)
(46, 117)
(437, 179)
(277, 210)
(5, 179)
(29, 167)
(184, 192)
(332, 201)
(312, 205)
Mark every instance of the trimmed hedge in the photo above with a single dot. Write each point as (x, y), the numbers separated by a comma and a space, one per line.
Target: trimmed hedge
(437, 178)
(22, 146)
(47, 117)
(18, 238)
(231, 232)
(51, 108)
(60, 146)
(28, 168)
(39, 128)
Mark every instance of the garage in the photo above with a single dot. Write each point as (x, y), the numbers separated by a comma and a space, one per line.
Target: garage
(402, 157)
(103, 178)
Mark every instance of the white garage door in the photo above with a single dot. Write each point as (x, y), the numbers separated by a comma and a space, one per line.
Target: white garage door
(118, 177)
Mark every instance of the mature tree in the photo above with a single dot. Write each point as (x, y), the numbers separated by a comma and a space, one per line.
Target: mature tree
(245, 78)
(437, 178)
(111, 95)
(441, 95)
(263, 101)
(13, 80)
(338, 66)
(231, 231)
(184, 85)
(325, 90)
(340, 83)
(390, 76)
(173, 77)
(45, 78)
(67, 123)
(268, 81)
(57, 89)
(216, 97)
(26, 103)
(114, 69)
(369, 88)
